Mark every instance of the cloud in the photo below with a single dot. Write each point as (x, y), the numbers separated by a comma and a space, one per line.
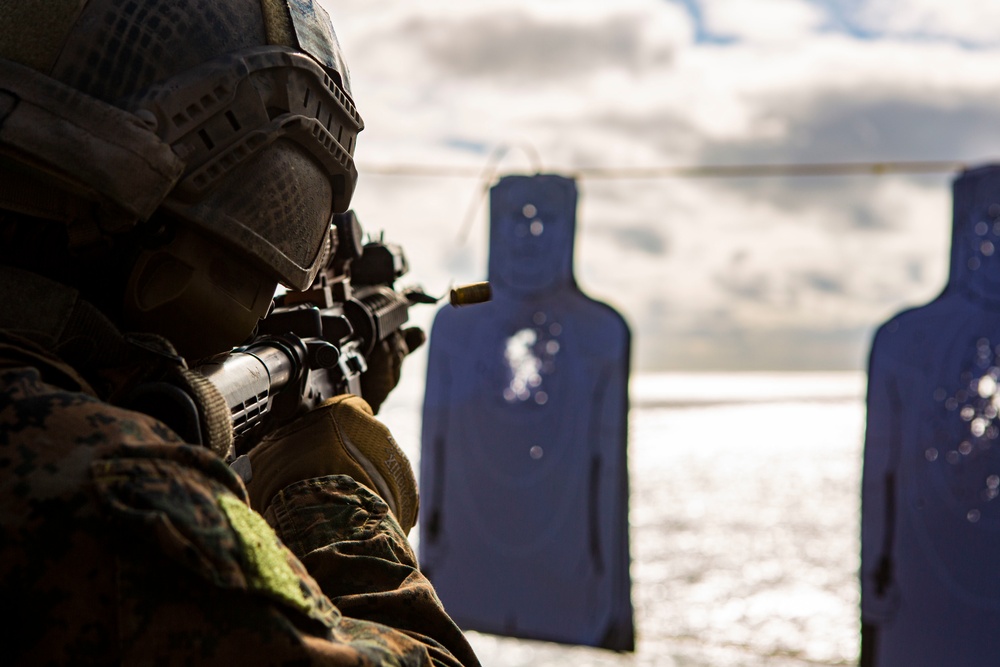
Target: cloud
(760, 20)
(857, 125)
(516, 46)
(645, 238)
(967, 22)
(519, 42)
(741, 271)
(821, 281)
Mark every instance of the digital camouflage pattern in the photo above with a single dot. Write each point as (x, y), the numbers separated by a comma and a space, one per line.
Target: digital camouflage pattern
(121, 544)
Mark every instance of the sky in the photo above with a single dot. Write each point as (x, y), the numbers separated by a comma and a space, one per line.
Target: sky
(747, 273)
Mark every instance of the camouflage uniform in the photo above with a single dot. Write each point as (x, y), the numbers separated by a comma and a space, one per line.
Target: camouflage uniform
(121, 544)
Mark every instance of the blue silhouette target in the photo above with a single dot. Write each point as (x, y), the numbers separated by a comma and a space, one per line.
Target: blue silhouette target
(524, 482)
(930, 536)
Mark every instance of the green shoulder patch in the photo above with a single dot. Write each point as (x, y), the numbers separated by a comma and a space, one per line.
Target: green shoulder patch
(197, 521)
(266, 565)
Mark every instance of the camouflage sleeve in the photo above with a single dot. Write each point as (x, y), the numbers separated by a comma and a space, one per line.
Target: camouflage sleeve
(119, 544)
(353, 546)
(186, 515)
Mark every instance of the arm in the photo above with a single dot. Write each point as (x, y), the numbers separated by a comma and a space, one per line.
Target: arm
(126, 545)
(342, 496)
(202, 577)
(364, 563)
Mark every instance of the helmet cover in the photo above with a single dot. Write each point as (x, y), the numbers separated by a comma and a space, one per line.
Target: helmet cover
(253, 96)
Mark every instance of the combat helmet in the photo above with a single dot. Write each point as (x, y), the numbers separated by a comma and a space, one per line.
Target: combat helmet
(219, 133)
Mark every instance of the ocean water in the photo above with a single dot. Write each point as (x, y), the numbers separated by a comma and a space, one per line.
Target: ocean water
(744, 515)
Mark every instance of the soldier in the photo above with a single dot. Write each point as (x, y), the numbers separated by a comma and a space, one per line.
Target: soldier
(163, 166)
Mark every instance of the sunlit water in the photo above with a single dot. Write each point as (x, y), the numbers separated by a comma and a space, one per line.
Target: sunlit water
(744, 522)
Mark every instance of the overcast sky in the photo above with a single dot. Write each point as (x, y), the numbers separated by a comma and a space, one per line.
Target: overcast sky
(737, 273)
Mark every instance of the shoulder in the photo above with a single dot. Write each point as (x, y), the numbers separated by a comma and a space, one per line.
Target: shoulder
(54, 419)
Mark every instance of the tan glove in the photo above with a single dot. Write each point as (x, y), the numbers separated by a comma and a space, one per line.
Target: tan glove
(340, 437)
(385, 364)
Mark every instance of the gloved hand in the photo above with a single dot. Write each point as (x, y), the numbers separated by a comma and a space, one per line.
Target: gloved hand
(340, 437)
(385, 364)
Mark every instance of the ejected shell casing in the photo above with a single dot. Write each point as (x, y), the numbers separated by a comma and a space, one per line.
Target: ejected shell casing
(464, 295)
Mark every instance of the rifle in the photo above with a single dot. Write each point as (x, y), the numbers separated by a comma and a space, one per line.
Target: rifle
(311, 346)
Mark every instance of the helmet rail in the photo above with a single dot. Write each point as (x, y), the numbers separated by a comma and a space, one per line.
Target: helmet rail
(171, 144)
(87, 147)
(217, 116)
